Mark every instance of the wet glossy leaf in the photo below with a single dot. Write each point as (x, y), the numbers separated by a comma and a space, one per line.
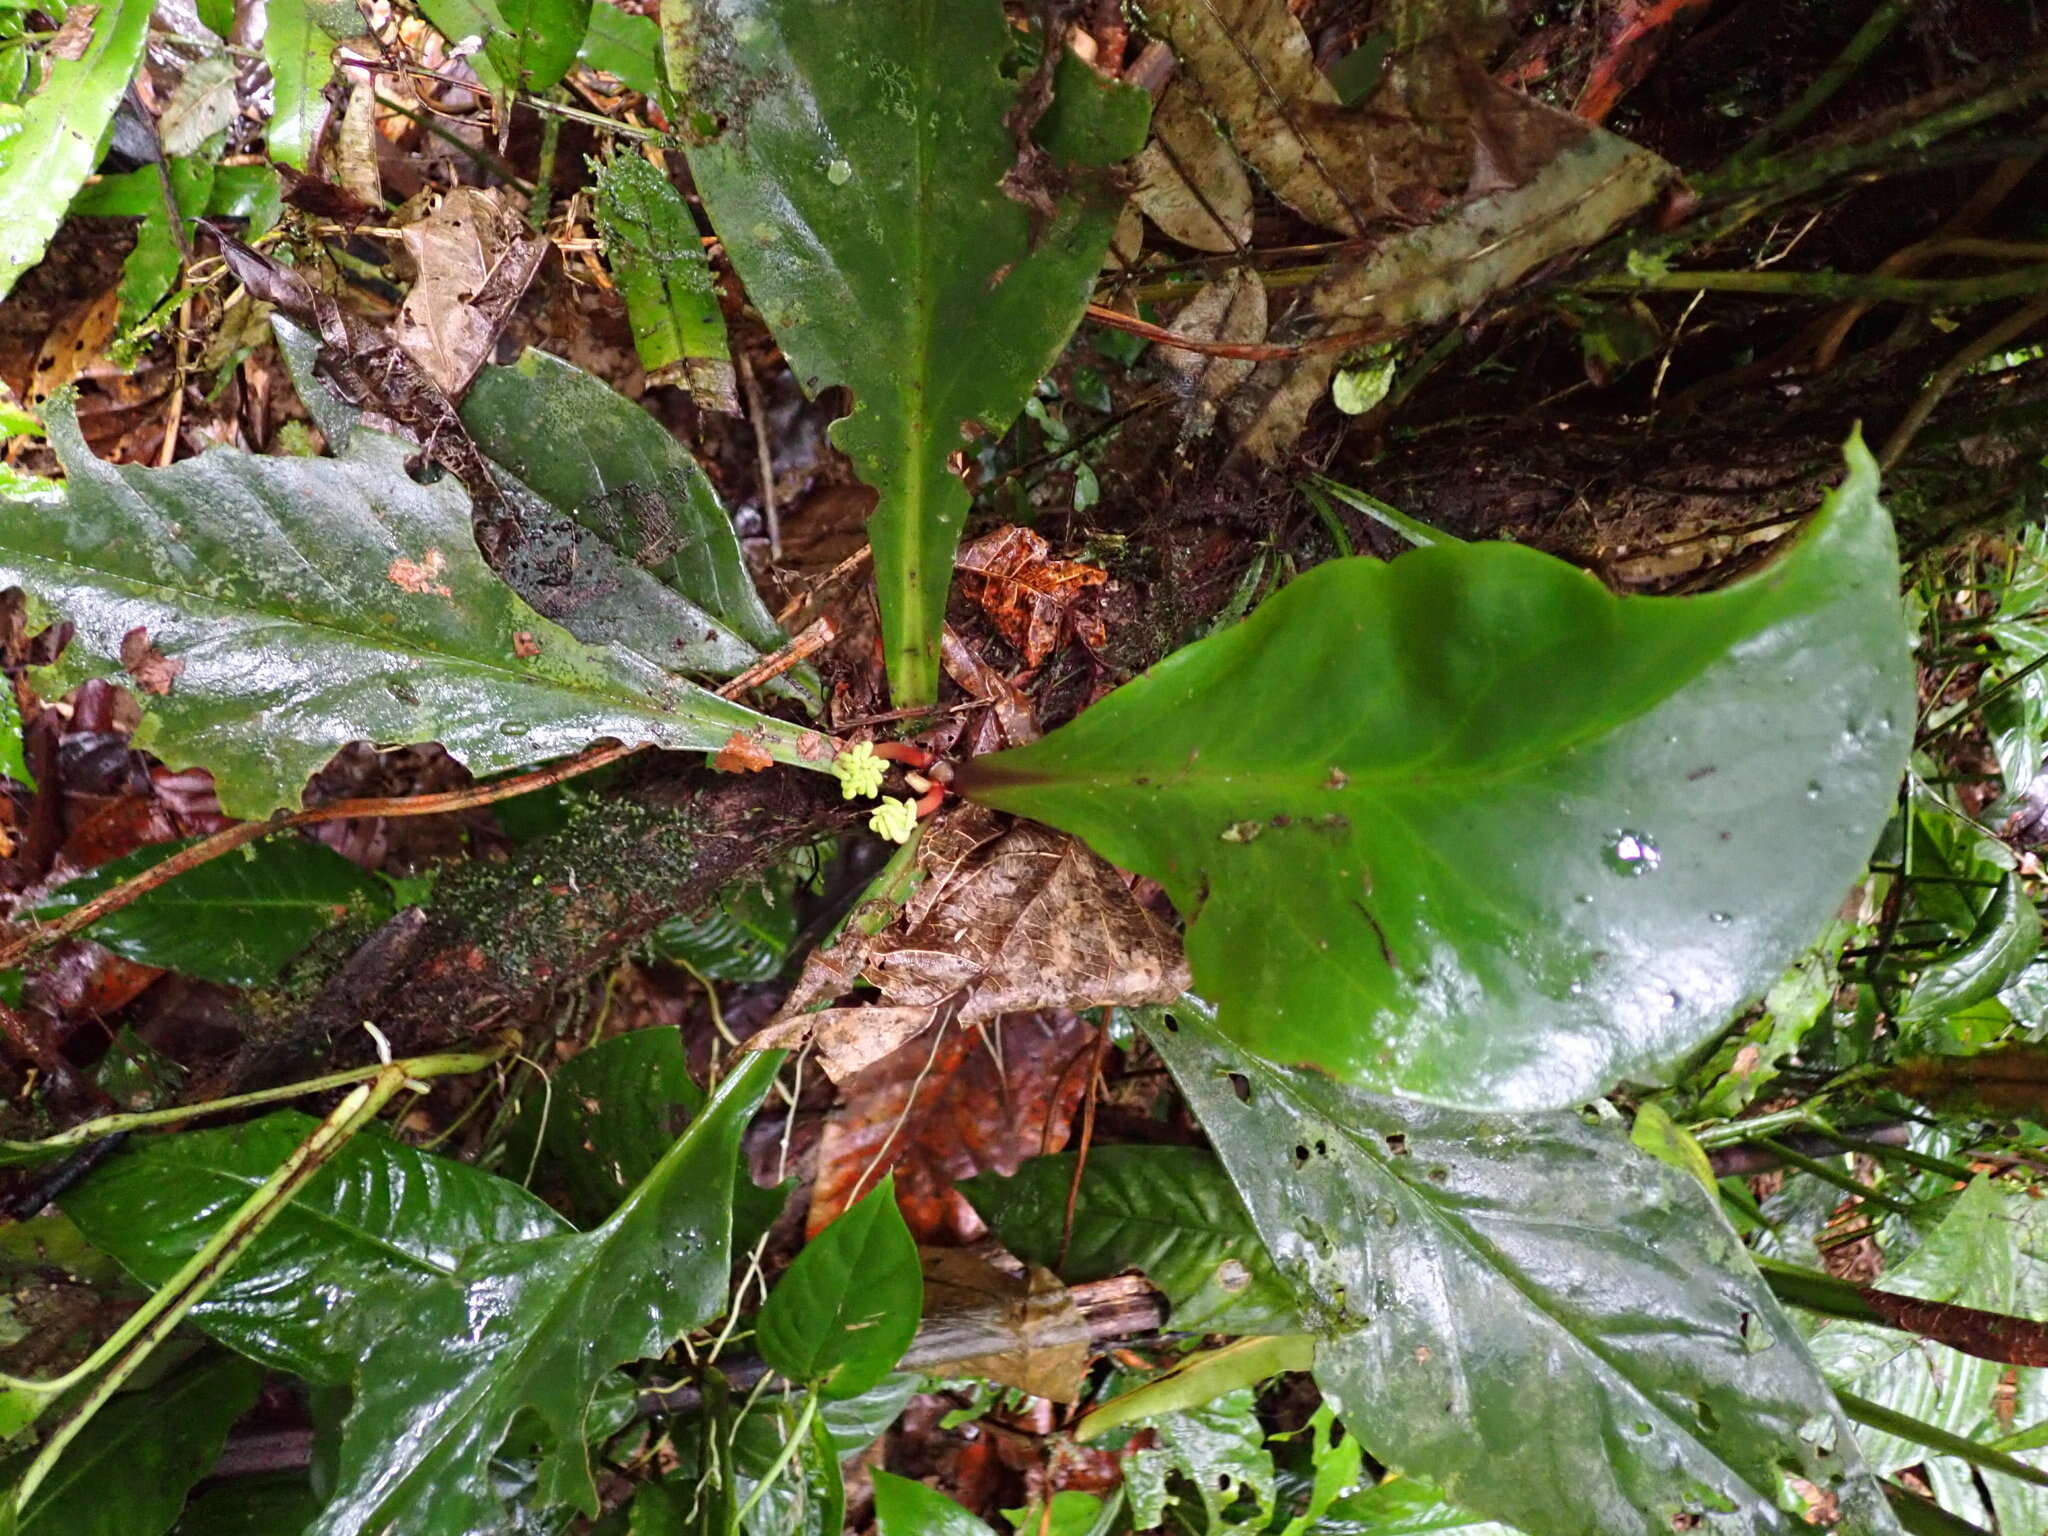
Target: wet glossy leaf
(538, 42)
(54, 144)
(529, 1329)
(128, 1473)
(905, 1508)
(588, 450)
(651, 243)
(380, 1207)
(277, 1504)
(1219, 1448)
(855, 1423)
(2003, 943)
(298, 44)
(626, 45)
(314, 602)
(847, 1307)
(855, 169)
(1402, 1506)
(1168, 1211)
(1471, 1275)
(234, 920)
(808, 1498)
(1990, 1251)
(609, 1115)
(1470, 827)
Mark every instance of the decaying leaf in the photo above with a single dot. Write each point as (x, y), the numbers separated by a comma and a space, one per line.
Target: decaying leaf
(1005, 921)
(947, 1106)
(153, 671)
(1010, 717)
(1019, 1330)
(475, 258)
(1031, 597)
(741, 754)
(201, 106)
(1233, 308)
(1189, 180)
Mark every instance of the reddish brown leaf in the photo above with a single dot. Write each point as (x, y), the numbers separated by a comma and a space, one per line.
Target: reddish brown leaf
(1030, 597)
(153, 671)
(946, 1107)
(741, 754)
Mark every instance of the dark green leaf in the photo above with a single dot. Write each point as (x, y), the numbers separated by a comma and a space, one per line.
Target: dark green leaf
(1401, 1506)
(236, 192)
(665, 278)
(1470, 827)
(299, 39)
(1471, 1276)
(234, 920)
(856, 177)
(462, 20)
(847, 1307)
(528, 1330)
(624, 45)
(2003, 943)
(808, 1497)
(588, 450)
(53, 145)
(153, 265)
(855, 1423)
(905, 1508)
(1219, 1448)
(380, 1207)
(128, 1473)
(1168, 1211)
(746, 935)
(277, 1504)
(538, 42)
(12, 762)
(307, 603)
(609, 1115)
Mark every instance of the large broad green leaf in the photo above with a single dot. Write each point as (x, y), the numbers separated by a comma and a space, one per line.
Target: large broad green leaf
(1990, 1252)
(1559, 1330)
(1470, 827)
(379, 1207)
(53, 145)
(1401, 1506)
(234, 920)
(588, 450)
(856, 176)
(279, 1504)
(1168, 1211)
(538, 42)
(300, 604)
(299, 38)
(528, 1330)
(906, 1508)
(129, 1472)
(847, 1307)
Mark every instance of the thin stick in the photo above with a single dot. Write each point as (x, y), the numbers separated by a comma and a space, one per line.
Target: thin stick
(814, 638)
(1876, 28)
(1248, 351)
(764, 452)
(2010, 329)
(1087, 1139)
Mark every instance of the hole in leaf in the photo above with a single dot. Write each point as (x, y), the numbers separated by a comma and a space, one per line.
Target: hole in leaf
(1300, 1156)
(1439, 1175)
(1242, 1087)
(1398, 1144)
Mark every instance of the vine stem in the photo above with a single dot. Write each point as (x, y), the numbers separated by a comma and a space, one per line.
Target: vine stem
(123, 1353)
(782, 1459)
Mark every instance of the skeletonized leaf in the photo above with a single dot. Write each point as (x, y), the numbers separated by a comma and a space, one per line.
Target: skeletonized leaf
(315, 602)
(1473, 1275)
(1471, 827)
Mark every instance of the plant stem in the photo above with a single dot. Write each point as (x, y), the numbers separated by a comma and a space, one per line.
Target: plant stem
(782, 1459)
(1935, 1438)
(1877, 27)
(2020, 282)
(1834, 1176)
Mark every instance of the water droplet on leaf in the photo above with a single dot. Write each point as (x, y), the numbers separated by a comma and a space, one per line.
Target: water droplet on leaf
(1631, 854)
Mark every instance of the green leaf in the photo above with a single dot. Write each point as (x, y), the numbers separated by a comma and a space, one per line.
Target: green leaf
(538, 42)
(589, 451)
(746, 935)
(1474, 1275)
(12, 761)
(610, 1113)
(279, 1504)
(299, 40)
(856, 179)
(55, 141)
(1218, 1447)
(461, 20)
(234, 920)
(2003, 943)
(1402, 1506)
(153, 265)
(1468, 826)
(855, 1423)
(625, 46)
(847, 1307)
(529, 1329)
(1168, 1211)
(1991, 1252)
(665, 278)
(1200, 1379)
(379, 1208)
(808, 1496)
(905, 1508)
(307, 603)
(129, 1472)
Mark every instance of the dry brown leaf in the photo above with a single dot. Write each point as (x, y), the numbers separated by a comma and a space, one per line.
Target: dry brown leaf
(946, 1106)
(74, 343)
(1019, 1330)
(1010, 720)
(1233, 308)
(153, 671)
(1007, 920)
(354, 147)
(1031, 597)
(1189, 180)
(475, 257)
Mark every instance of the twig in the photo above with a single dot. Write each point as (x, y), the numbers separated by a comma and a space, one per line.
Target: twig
(814, 637)
(2018, 283)
(1877, 27)
(2010, 329)
(764, 452)
(1248, 351)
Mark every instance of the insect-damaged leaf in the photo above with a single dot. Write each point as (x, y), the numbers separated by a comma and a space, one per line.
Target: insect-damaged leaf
(1470, 1276)
(855, 167)
(1470, 827)
(315, 602)
(671, 297)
